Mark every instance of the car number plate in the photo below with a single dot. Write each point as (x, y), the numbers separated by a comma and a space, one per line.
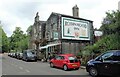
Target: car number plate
(74, 65)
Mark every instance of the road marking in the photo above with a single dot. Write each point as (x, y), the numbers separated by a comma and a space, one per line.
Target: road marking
(27, 70)
(21, 68)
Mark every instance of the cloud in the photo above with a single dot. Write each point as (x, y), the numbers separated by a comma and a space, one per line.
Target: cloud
(17, 14)
(22, 12)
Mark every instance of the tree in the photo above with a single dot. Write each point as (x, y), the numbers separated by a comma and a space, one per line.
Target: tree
(4, 44)
(111, 23)
(111, 30)
(111, 38)
(24, 42)
(18, 40)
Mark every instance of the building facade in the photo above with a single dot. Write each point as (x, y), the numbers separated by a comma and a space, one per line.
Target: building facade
(37, 33)
(69, 33)
(63, 33)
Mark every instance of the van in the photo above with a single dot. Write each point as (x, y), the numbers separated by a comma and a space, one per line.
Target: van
(29, 55)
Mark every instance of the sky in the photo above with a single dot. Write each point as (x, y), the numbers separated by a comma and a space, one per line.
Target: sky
(21, 13)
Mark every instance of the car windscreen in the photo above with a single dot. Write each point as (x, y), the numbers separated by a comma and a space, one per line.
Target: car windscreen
(72, 59)
(30, 53)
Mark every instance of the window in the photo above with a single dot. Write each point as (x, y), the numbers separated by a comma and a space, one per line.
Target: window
(107, 56)
(59, 57)
(72, 59)
(62, 57)
(117, 56)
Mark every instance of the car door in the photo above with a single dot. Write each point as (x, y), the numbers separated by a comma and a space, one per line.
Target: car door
(107, 63)
(116, 63)
(61, 61)
(56, 61)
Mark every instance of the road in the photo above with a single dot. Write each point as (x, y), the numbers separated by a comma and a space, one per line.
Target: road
(12, 66)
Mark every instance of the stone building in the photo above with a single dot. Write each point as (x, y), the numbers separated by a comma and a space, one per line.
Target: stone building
(37, 33)
(68, 34)
(64, 33)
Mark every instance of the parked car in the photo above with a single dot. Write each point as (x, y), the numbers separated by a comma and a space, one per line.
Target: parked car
(65, 61)
(9, 54)
(16, 54)
(20, 55)
(29, 55)
(107, 63)
(13, 55)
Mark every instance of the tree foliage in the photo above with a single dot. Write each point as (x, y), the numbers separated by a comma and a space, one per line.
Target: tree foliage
(111, 23)
(4, 43)
(18, 40)
(111, 38)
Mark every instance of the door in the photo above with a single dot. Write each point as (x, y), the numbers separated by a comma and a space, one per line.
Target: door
(61, 61)
(107, 63)
(56, 61)
(116, 63)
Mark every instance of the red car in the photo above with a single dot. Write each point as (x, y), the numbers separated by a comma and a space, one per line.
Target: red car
(65, 61)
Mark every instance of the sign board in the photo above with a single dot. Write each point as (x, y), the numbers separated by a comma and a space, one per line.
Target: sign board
(98, 33)
(75, 29)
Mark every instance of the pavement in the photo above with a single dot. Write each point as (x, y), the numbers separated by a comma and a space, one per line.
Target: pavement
(82, 67)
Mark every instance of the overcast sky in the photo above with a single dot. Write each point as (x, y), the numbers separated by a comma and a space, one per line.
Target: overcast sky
(21, 13)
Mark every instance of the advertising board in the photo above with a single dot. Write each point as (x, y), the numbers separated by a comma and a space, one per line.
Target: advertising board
(75, 29)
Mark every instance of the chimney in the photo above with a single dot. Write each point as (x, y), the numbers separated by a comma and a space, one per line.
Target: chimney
(37, 17)
(75, 10)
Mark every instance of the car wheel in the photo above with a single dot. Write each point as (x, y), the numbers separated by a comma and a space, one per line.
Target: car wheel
(93, 72)
(65, 67)
(51, 65)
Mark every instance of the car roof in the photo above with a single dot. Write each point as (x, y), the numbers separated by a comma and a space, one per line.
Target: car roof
(113, 51)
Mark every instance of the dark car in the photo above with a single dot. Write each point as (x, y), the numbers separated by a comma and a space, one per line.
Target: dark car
(29, 55)
(107, 63)
(20, 55)
(9, 54)
(13, 55)
(65, 61)
(16, 54)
